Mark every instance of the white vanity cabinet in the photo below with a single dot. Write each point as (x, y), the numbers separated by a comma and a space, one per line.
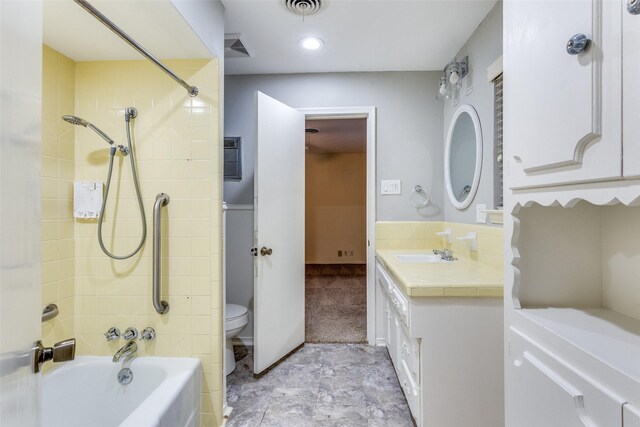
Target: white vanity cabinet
(567, 106)
(447, 354)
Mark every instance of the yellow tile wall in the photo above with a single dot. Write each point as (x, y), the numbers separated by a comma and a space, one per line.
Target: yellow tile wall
(408, 234)
(178, 153)
(178, 148)
(422, 235)
(57, 171)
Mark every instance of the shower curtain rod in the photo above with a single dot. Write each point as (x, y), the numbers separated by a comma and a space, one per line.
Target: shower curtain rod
(192, 90)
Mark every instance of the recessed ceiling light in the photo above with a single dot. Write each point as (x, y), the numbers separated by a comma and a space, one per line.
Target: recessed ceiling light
(311, 43)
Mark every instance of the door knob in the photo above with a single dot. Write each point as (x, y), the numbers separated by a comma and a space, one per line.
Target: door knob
(265, 251)
(633, 7)
(577, 44)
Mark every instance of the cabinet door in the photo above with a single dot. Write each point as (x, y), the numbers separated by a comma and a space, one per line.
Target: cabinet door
(630, 416)
(545, 390)
(562, 111)
(631, 90)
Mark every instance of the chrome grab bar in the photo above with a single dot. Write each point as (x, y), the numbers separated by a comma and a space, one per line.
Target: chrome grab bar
(162, 199)
(49, 312)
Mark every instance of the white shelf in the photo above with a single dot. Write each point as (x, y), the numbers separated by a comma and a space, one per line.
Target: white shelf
(612, 338)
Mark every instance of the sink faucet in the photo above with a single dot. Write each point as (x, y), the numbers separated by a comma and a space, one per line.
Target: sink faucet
(127, 350)
(445, 254)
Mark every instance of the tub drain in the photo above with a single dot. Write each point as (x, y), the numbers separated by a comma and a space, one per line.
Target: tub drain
(125, 376)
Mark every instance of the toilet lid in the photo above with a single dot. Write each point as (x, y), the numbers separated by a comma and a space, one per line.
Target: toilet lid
(234, 310)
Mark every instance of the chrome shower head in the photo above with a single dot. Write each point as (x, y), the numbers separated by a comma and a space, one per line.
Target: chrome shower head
(75, 120)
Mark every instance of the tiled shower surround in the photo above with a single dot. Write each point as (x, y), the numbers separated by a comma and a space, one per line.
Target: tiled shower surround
(177, 143)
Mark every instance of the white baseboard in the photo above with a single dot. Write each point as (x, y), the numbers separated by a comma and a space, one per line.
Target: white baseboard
(246, 341)
(380, 342)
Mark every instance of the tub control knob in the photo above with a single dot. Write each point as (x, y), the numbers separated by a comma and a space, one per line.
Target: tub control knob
(112, 334)
(60, 352)
(148, 334)
(130, 334)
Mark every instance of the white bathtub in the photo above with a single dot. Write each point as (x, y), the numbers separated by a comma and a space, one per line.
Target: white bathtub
(164, 392)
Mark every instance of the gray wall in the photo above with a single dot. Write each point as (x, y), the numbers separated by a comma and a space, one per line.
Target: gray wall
(409, 128)
(483, 48)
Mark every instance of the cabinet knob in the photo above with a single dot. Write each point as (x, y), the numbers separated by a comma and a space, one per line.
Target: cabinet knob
(633, 7)
(578, 43)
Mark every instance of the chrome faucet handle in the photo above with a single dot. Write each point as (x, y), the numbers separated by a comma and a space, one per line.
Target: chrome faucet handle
(112, 334)
(130, 334)
(60, 352)
(148, 334)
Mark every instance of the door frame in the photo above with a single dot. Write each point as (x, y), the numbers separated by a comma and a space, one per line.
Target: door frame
(368, 113)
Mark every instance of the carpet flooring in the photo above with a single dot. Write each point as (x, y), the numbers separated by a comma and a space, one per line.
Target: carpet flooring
(336, 303)
(318, 385)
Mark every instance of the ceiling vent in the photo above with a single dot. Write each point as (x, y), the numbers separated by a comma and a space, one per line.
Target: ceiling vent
(305, 7)
(234, 47)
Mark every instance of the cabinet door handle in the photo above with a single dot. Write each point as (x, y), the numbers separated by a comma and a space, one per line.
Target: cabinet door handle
(577, 44)
(633, 7)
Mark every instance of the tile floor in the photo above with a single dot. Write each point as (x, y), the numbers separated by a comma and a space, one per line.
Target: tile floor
(319, 385)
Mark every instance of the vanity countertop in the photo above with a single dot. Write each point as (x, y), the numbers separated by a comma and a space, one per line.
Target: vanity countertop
(459, 278)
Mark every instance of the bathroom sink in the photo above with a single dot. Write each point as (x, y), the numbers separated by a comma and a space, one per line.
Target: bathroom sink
(417, 257)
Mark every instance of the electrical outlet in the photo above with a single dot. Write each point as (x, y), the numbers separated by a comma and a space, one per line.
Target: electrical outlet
(339, 253)
(391, 186)
(481, 216)
(350, 253)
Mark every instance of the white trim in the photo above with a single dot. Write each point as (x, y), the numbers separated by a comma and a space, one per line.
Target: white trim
(370, 114)
(466, 108)
(246, 341)
(494, 70)
(380, 342)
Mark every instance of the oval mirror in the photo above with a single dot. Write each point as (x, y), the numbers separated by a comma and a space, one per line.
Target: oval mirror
(463, 156)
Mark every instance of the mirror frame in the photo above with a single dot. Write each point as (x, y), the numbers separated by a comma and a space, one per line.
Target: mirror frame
(466, 108)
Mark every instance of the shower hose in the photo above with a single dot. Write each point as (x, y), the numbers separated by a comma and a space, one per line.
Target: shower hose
(136, 184)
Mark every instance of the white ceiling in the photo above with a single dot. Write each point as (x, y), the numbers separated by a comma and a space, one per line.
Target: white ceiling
(154, 24)
(359, 35)
(337, 136)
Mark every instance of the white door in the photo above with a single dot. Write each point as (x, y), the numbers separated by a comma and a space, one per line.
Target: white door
(20, 104)
(566, 107)
(279, 232)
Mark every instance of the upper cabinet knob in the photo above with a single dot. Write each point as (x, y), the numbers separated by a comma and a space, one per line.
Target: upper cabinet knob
(633, 7)
(265, 251)
(577, 44)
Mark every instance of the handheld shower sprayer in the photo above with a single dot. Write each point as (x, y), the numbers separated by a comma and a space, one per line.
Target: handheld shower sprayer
(75, 120)
(129, 113)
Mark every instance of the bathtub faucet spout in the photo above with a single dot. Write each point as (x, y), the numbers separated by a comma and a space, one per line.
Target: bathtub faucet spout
(127, 350)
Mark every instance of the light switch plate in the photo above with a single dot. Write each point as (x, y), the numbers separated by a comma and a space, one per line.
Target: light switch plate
(391, 186)
(481, 216)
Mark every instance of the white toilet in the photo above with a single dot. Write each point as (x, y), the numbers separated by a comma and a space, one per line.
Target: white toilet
(235, 320)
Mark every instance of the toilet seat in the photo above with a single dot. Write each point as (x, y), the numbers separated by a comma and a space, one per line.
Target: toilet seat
(235, 316)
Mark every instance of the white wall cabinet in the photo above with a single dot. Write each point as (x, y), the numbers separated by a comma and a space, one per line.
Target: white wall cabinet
(567, 107)
(572, 146)
(447, 354)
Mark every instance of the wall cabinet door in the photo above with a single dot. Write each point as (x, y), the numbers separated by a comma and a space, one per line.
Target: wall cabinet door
(631, 88)
(562, 111)
(545, 390)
